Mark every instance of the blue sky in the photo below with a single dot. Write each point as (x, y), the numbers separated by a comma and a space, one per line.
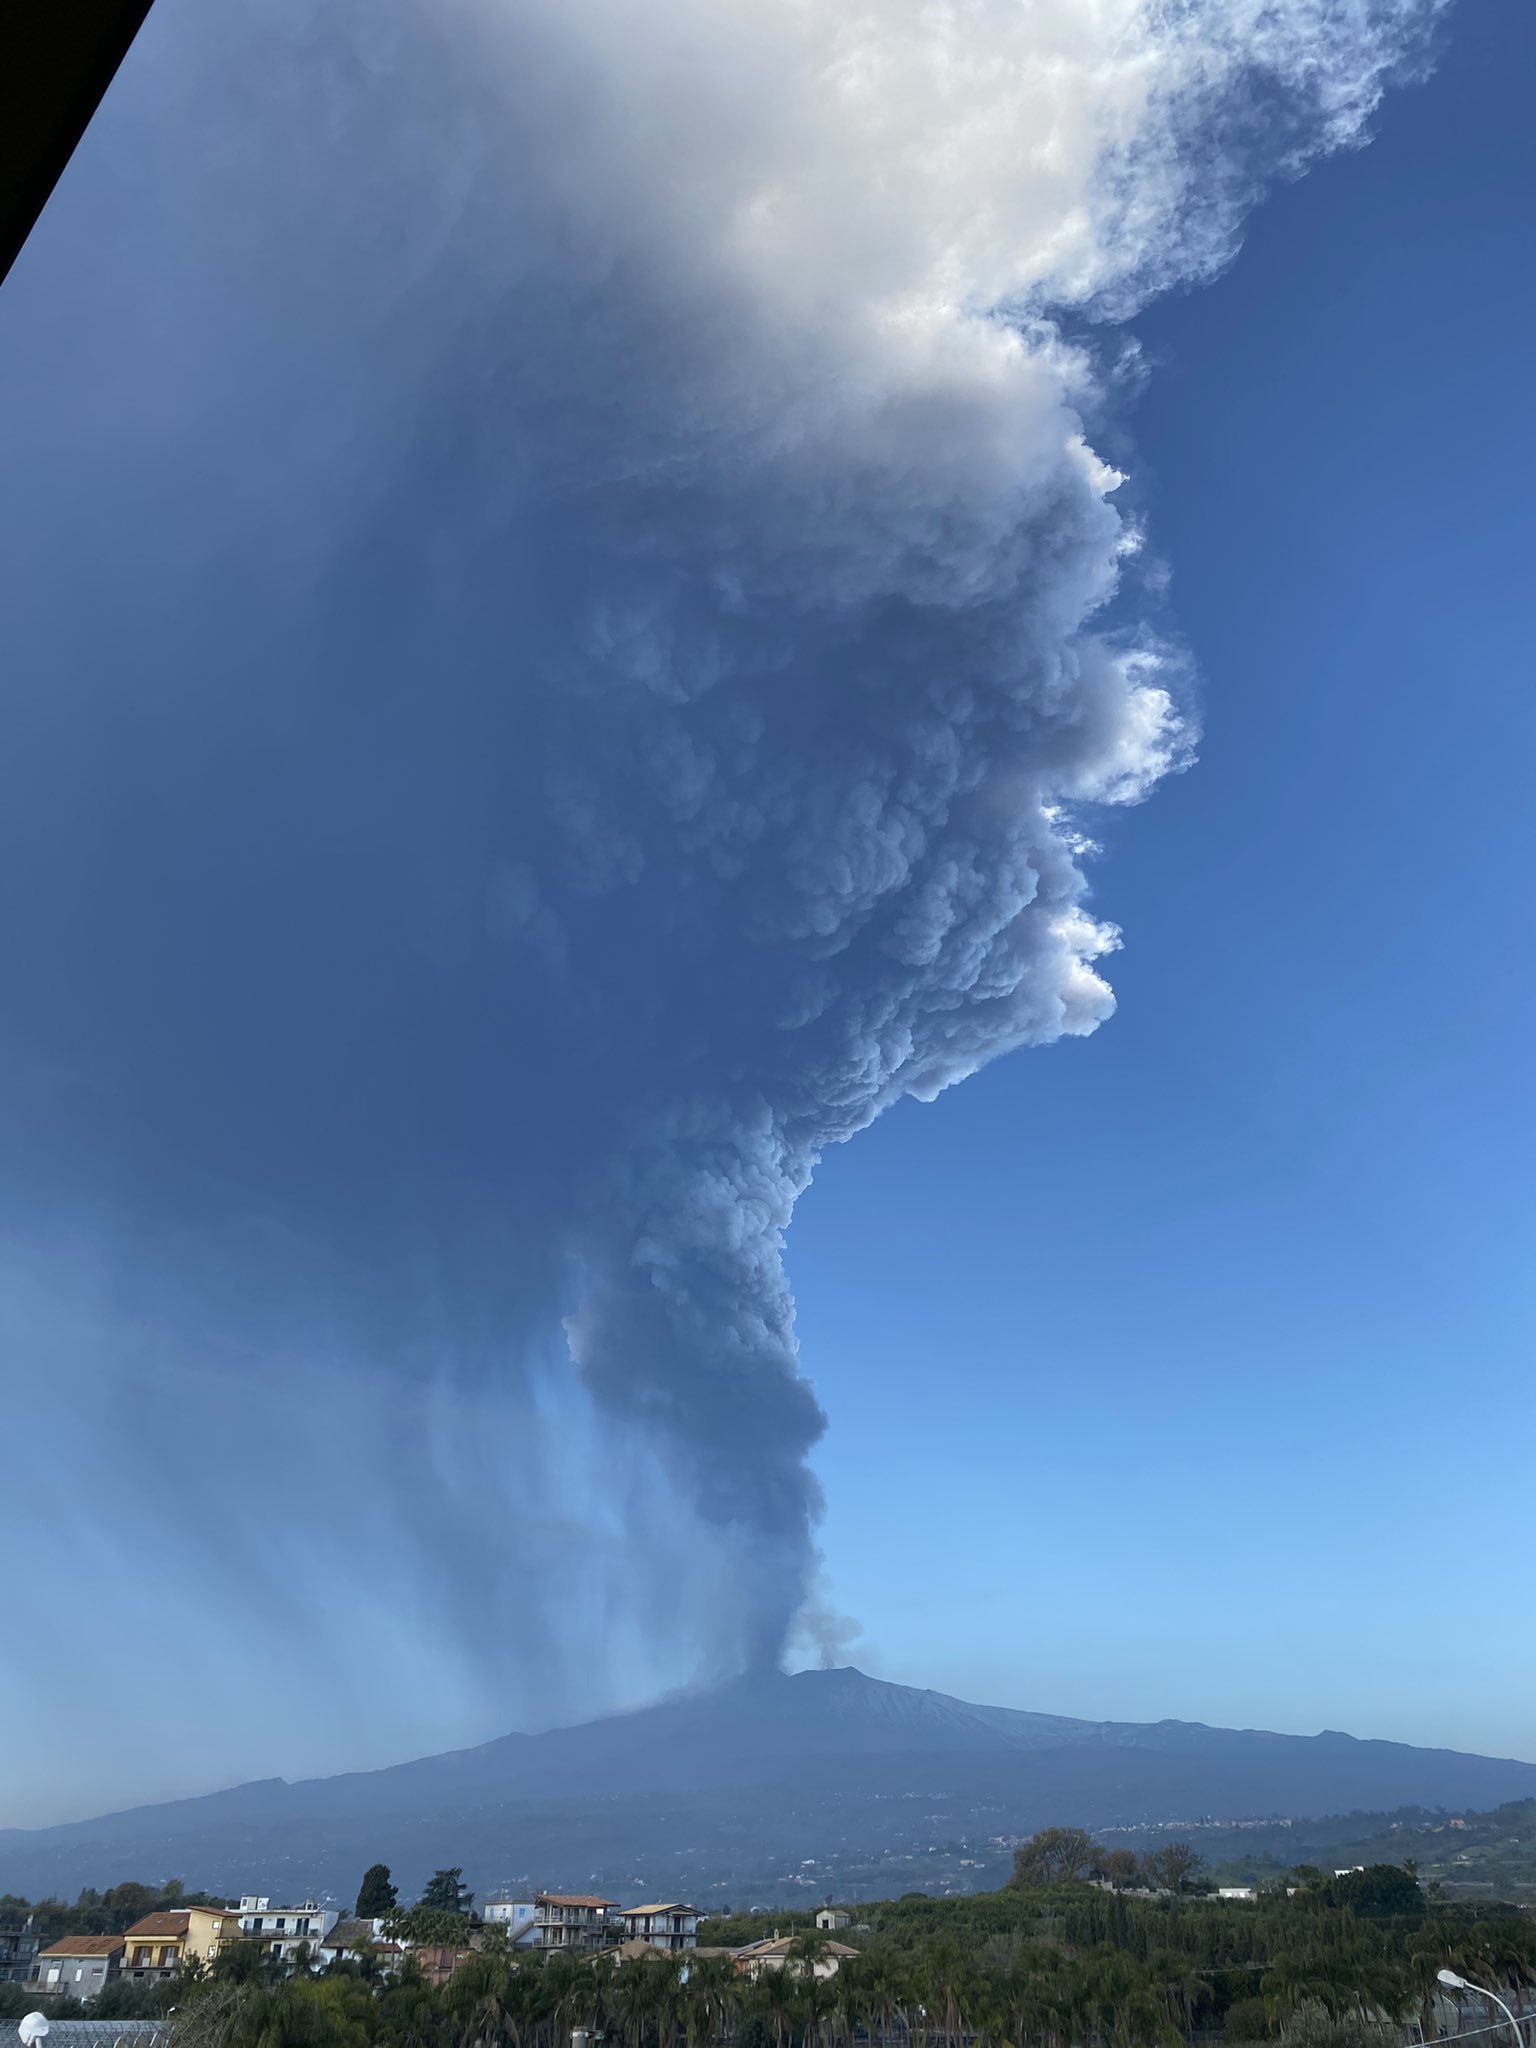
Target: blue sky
(1211, 1337)
(558, 671)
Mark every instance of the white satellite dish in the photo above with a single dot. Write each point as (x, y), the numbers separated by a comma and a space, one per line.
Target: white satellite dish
(32, 2029)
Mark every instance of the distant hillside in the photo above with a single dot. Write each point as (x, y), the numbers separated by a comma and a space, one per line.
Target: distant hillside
(754, 1790)
(1470, 1855)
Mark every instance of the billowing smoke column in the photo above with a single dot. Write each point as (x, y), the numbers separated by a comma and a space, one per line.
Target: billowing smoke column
(584, 579)
(819, 700)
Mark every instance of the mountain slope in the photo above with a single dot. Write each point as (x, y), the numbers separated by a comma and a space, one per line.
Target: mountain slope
(827, 1751)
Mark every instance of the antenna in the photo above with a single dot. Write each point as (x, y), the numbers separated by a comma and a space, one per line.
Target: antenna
(32, 2029)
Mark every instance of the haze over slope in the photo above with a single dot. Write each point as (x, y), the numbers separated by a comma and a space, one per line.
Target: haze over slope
(821, 1755)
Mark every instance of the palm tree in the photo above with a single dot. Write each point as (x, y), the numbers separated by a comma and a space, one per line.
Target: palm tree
(775, 1993)
(284, 2017)
(714, 1995)
(816, 2005)
(807, 1949)
(1179, 1986)
(1292, 1981)
(480, 1997)
(640, 1999)
(850, 1999)
(948, 1979)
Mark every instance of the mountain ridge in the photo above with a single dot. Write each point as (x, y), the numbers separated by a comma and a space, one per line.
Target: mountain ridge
(764, 1744)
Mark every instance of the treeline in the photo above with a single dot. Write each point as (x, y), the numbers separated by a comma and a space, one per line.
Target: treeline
(110, 1912)
(119, 2000)
(1062, 1966)
(1322, 1962)
(1063, 1855)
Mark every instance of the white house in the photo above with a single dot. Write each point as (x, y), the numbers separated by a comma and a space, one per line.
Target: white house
(284, 1928)
(831, 1919)
(518, 1916)
(668, 1927)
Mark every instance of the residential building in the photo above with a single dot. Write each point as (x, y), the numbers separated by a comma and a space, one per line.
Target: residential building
(1236, 1891)
(573, 1921)
(438, 1963)
(518, 1916)
(832, 1919)
(629, 1952)
(781, 1952)
(352, 1940)
(282, 1929)
(668, 1927)
(158, 1945)
(18, 1951)
(79, 1966)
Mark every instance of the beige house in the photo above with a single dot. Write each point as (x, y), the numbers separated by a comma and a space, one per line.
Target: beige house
(782, 1952)
(162, 1943)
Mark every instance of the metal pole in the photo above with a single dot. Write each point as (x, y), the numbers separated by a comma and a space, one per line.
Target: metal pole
(1514, 2024)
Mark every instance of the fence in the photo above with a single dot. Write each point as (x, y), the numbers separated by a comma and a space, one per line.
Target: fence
(94, 2034)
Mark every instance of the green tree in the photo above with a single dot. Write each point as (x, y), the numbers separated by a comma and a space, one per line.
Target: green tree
(1174, 1866)
(446, 1892)
(242, 1962)
(1055, 1856)
(1313, 2026)
(376, 1895)
(1246, 2020)
(1378, 1889)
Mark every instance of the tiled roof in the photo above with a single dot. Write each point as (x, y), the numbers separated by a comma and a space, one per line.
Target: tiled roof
(782, 1944)
(572, 1899)
(628, 1952)
(85, 1945)
(633, 1912)
(158, 1925)
(349, 1934)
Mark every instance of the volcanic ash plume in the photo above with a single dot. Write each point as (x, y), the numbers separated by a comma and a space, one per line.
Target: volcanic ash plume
(590, 510)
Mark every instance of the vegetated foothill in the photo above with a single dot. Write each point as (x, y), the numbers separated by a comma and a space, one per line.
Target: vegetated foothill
(1054, 1959)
